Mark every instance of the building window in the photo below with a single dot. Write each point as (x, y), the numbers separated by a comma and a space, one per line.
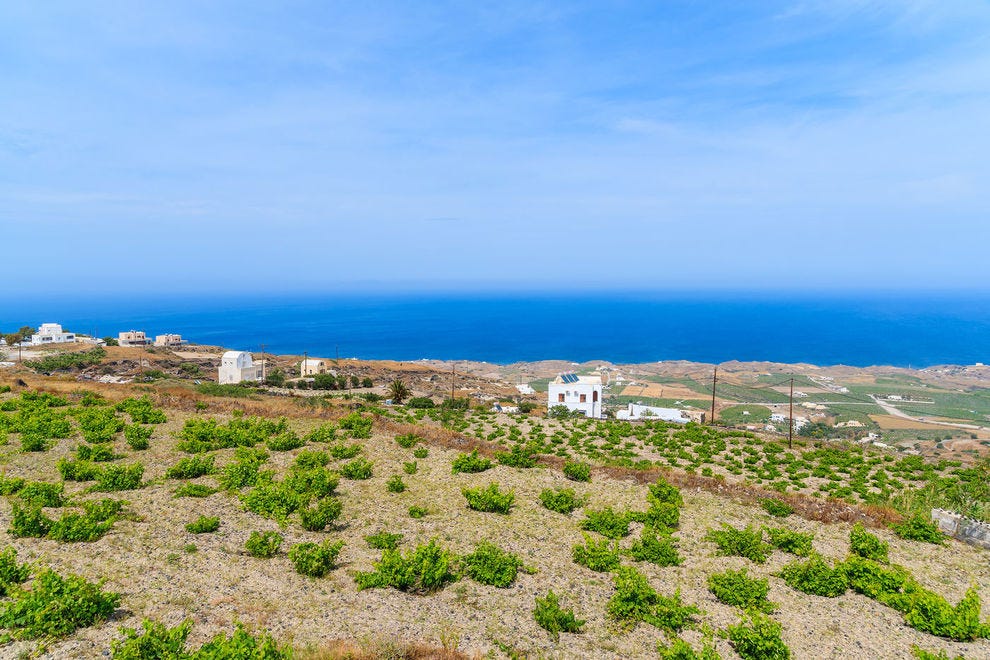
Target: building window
(594, 396)
(560, 397)
(584, 398)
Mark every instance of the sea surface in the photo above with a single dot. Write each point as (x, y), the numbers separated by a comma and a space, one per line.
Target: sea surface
(858, 330)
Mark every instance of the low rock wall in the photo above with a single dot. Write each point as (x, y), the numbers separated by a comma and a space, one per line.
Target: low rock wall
(960, 527)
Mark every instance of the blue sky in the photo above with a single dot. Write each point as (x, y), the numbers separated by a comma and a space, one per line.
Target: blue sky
(828, 144)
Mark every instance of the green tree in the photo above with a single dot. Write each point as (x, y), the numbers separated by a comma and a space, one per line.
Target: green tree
(397, 391)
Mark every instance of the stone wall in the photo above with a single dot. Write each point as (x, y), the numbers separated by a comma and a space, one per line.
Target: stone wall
(960, 527)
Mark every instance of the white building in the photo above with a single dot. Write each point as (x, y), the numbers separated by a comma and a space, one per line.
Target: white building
(166, 341)
(636, 411)
(525, 388)
(133, 338)
(51, 333)
(239, 366)
(312, 367)
(582, 393)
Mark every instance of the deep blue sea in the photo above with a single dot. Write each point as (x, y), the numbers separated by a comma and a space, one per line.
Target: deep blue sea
(856, 330)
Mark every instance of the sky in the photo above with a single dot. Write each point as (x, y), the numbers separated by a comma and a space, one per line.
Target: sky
(342, 146)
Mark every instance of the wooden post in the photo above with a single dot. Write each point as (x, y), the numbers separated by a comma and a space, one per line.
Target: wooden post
(790, 429)
(714, 381)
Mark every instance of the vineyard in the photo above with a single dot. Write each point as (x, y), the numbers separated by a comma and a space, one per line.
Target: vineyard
(217, 528)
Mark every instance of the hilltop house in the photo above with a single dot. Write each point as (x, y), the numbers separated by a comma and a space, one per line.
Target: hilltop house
(133, 338)
(239, 366)
(312, 367)
(166, 341)
(50, 333)
(581, 393)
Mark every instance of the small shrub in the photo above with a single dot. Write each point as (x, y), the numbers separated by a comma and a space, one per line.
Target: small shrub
(418, 511)
(407, 441)
(922, 654)
(192, 467)
(930, 613)
(577, 471)
(285, 441)
(490, 499)
(661, 516)
(425, 569)
(746, 543)
(491, 565)
(873, 580)
(867, 545)
(814, 576)
(273, 500)
(410, 468)
(307, 460)
(606, 522)
(360, 427)
(917, 528)
(96, 453)
(758, 638)
(42, 494)
(681, 650)
(77, 470)
(242, 644)
(318, 517)
(384, 541)
(204, 525)
(323, 433)
(263, 545)
(664, 493)
(738, 589)
(341, 451)
(76, 528)
(245, 470)
(137, 436)
(358, 469)
(11, 572)
(554, 619)
(194, 490)
(635, 600)
(421, 452)
(119, 477)
(157, 642)
(28, 522)
(777, 508)
(317, 481)
(315, 559)
(470, 463)
(56, 606)
(561, 500)
(395, 484)
(103, 509)
(31, 442)
(598, 555)
(796, 543)
(656, 549)
(518, 456)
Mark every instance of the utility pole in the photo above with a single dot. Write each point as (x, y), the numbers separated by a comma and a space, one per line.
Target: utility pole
(336, 360)
(452, 367)
(262, 363)
(302, 367)
(714, 381)
(790, 419)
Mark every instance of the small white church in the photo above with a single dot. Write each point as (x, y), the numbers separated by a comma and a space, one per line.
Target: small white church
(238, 367)
(579, 393)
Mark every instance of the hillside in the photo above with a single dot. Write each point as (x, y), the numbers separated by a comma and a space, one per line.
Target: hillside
(168, 574)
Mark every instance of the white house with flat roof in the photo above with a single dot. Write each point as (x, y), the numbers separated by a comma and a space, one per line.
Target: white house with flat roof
(581, 393)
(238, 367)
(51, 333)
(637, 411)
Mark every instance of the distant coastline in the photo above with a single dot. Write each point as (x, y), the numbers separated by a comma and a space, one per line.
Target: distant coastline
(621, 328)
